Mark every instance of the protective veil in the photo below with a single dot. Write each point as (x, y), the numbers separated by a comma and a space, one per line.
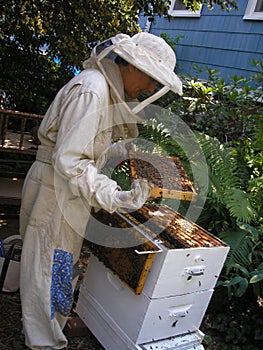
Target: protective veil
(65, 180)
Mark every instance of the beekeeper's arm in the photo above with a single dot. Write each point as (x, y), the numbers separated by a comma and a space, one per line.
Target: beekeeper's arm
(73, 158)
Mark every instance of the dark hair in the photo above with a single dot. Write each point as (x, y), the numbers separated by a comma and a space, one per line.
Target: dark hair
(121, 61)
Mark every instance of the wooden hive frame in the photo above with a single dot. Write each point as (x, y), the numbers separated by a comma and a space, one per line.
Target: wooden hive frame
(188, 194)
(130, 267)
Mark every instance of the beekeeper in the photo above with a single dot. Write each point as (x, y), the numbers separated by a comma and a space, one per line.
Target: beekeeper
(65, 181)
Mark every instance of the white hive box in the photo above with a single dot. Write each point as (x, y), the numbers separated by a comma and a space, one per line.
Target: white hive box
(191, 264)
(140, 318)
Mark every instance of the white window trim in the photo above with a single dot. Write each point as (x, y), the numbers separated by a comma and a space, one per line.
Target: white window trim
(250, 11)
(183, 13)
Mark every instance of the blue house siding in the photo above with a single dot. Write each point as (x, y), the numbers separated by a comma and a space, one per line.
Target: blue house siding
(218, 39)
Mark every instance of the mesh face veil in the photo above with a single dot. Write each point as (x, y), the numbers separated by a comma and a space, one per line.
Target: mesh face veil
(147, 52)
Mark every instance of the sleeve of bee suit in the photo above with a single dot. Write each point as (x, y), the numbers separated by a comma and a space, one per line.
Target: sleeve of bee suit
(82, 136)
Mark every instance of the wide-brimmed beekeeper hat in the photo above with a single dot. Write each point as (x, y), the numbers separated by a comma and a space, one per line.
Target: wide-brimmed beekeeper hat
(149, 53)
(152, 55)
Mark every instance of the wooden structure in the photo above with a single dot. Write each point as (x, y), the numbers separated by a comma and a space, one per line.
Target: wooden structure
(18, 147)
(18, 132)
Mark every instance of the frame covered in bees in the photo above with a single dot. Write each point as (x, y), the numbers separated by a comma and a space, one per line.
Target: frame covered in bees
(166, 173)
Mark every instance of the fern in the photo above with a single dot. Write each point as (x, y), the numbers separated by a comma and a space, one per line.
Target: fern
(154, 132)
(238, 203)
(220, 161)
(244, 263)
(255, 188)
(225, 184)
(240, 249)
(161, 139)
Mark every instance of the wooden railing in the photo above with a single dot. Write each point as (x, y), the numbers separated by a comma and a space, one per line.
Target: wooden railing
(18, 142)
(18, 131)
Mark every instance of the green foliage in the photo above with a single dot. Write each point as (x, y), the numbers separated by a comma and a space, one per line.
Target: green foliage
(233, 147)
(221, 109)
(194, 5)
(227, 187)
(121, 174)
(238, 321)
(156, 133)
(244, 263)
(171, 41)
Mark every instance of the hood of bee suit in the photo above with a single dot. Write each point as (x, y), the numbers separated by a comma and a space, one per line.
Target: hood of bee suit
(124, 123)
(149, 53)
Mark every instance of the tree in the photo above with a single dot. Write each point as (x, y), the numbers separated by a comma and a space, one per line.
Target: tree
(36, 32)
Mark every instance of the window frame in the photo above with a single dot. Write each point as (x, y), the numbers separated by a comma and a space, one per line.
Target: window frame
(250, 11)
(183, 13)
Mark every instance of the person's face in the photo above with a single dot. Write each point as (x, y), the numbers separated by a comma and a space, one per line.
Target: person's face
(136, 82)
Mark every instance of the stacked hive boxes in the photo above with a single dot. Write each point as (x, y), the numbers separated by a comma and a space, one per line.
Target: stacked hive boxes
(174, 295)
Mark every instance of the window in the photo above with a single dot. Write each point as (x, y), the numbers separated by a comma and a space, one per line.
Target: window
(254, 10)
(178, 9)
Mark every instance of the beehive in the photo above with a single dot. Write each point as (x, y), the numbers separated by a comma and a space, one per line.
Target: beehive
(176, 291)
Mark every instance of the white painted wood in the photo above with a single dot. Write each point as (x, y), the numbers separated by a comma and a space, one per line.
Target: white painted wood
(141, 318)
(103, 327)
(170, 273)
(112, 337)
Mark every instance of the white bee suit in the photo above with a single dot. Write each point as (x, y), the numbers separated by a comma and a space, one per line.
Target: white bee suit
(60, 188)
(55, 205)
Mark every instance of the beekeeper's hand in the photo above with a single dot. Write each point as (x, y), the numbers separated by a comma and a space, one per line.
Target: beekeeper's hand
(118, 150)
(136, 197)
